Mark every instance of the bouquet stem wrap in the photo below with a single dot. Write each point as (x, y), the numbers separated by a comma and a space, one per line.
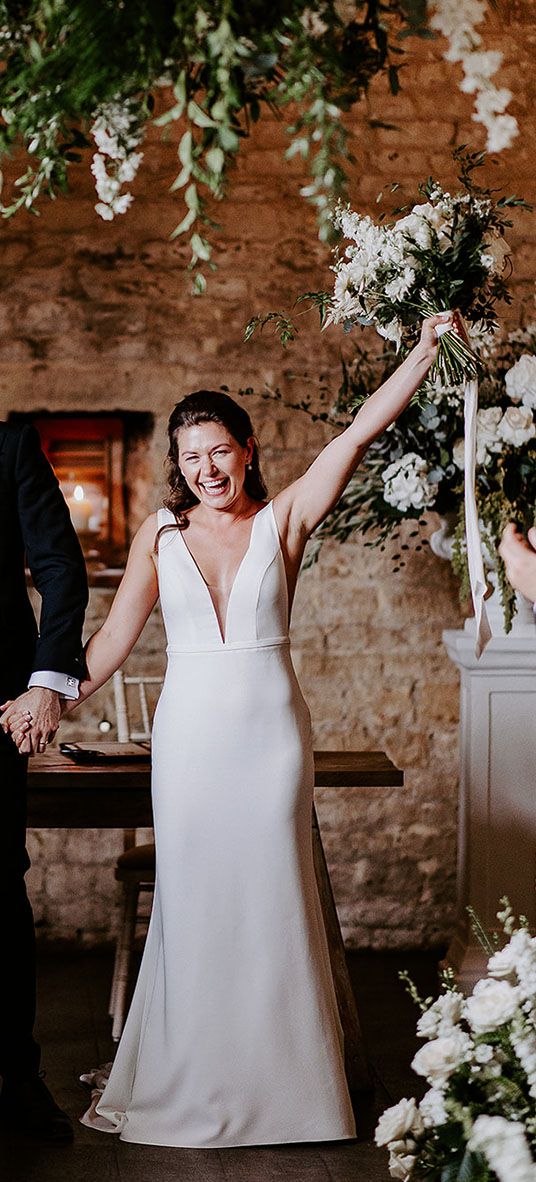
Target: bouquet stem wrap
(474, 549)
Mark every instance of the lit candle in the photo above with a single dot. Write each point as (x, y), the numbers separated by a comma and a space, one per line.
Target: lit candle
(80, 509)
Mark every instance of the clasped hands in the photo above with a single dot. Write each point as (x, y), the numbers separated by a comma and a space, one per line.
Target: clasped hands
(32, 719)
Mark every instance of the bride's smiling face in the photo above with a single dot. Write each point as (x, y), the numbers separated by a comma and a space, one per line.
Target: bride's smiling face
(213, 463)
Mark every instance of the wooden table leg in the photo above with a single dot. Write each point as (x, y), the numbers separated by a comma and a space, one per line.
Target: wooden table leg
(357, 1071)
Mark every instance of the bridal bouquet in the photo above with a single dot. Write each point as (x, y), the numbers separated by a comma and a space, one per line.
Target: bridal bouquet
(448, 251)
(477, 1121)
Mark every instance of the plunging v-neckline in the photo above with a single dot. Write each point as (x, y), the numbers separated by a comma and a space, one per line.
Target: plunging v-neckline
(223, 631)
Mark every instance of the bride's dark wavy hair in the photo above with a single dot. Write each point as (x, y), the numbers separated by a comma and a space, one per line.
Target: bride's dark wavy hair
(208, 406)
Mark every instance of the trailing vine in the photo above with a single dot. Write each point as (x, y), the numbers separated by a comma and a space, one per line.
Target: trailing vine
(79, 75)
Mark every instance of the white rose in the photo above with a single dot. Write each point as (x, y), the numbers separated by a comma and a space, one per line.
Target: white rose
(401, 1165)
(520, 381)
(458, 453)
(432, 1108)
(406, 483)
(504, 1145)
(391, 332)
(517, 426)
(487, 438)
(492, 1004)
(417, 229)
(395, 1122)
(441, 1057)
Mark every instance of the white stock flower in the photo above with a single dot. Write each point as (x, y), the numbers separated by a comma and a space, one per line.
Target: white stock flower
(432, 1108)
(406, 483)
(520, 381)
(502, 132)
(492, 1004)
(517, 426)
(504, 1146)
(397, 1121)
(438, 1059)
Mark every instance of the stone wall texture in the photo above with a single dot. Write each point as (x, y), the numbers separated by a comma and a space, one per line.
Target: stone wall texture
(98, 315)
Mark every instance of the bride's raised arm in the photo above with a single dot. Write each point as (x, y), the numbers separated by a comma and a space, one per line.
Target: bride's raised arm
(306, 502)
(136, 596)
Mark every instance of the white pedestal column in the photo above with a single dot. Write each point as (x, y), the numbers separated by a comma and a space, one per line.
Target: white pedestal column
(497, 805)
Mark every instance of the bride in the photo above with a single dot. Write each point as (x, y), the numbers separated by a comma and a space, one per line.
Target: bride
(233, 1036)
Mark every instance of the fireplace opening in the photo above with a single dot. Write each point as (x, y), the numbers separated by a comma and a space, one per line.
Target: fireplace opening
(102, 464)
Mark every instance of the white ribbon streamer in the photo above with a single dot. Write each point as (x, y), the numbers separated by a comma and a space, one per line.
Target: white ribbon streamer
(477, 578)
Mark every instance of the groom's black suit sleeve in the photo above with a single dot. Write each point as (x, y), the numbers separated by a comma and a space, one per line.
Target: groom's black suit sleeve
(54, 557)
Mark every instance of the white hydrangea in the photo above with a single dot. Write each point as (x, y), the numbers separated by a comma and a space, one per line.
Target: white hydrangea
(520, 381)
(407, 485)
(504, 1145)
(492, 1004)
(517, 426)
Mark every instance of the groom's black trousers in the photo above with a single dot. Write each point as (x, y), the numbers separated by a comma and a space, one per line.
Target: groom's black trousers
(19, 1053)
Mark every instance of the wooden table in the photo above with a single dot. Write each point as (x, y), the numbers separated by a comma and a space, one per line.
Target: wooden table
(65, 795)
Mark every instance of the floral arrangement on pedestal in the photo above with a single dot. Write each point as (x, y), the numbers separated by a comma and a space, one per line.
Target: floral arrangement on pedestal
(446, 251)
(78, 75)
(477, 1121)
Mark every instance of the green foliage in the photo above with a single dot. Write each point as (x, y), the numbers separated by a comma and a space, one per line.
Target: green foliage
(214, 63)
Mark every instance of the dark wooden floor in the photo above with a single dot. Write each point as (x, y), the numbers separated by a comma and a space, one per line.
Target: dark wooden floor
(74, 1032)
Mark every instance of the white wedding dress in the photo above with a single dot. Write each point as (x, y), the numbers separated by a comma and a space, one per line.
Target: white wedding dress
(233, 1035)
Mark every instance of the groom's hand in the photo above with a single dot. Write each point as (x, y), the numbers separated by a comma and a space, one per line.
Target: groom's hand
(32, 719)
(519, 557)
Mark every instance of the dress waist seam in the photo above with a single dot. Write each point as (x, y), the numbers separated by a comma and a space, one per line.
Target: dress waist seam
(230, 646)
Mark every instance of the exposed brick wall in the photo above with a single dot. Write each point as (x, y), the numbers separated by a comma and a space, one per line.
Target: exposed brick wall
(98, 315)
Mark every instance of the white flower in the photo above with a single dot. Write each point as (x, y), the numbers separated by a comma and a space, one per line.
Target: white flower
(483, 1053)
(406, 483)
(521, 381)
(457, 21)
(401, 1165)
(400, 286)
(313, 23)
(502, 132)
(504, 1145)
(432, 1108)
(391, 332)
(491, 1005)
(517, 426)
(104, 211)
(441, 1015)
(438, 1059)
(395, 1122)
(458, 453)
(416, 228)
(487, 437)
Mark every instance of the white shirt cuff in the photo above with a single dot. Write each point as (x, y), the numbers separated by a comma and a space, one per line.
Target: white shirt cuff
(62, 683)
